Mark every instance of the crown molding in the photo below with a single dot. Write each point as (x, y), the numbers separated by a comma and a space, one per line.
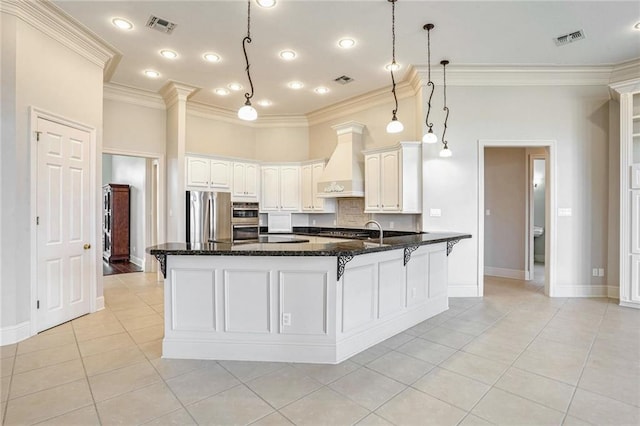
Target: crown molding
(175, 91)
(625, 71)
(517, 75)
(203, 110)
(404, 89)
(131, 95)
(49, 19)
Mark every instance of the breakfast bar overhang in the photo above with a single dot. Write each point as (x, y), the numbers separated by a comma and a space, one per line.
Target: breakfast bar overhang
(314, 302)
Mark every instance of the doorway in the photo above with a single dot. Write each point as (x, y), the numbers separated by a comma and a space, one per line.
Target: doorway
(525, 231)
(537, 217)
(143, 173)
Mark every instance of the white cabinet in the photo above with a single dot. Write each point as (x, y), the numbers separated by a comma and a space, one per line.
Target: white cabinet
(310, 201)
(245, 181)
(280, 188)
(393, 179)
(207, 173)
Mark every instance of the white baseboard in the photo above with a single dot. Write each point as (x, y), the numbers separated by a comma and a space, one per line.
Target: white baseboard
(515, 274)
(99, 303)
(613, 292)
(15, 333)
(629, 304)
(462, 291)
(581, 291)
(137, 261)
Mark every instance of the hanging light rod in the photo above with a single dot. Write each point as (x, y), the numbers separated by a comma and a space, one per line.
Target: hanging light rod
(429, 136)
(394, 126)
(247, 112)
(445, 151)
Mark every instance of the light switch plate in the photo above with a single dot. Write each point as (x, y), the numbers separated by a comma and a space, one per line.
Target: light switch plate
(601, 272)
(435, 212)
(564, 211)
(488, 212)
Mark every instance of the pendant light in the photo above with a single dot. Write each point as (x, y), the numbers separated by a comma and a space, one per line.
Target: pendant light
(394, 126)
(429, 137)
(445, 151)
(247, 112)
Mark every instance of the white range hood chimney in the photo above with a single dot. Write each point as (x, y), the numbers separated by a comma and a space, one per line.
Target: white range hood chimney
(343, 175)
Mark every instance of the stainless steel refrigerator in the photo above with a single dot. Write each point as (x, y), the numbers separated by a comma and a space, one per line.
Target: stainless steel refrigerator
(208, 216)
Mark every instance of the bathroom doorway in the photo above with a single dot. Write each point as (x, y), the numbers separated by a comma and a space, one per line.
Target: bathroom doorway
(537, 217)
(511, 205)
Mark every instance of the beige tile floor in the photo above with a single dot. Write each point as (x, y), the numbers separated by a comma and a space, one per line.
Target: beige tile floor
(514, 357)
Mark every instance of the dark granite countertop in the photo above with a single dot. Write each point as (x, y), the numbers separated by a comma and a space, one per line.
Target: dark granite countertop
(396, 240)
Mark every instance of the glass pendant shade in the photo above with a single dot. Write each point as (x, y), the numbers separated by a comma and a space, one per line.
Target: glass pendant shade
(395, 126)
(445, 152)
(430, 137)
(248, 113)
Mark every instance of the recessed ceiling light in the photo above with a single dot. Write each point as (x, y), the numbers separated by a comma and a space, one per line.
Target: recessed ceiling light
(266, 3)
(321, 90)
(211, 57)
(346, 43)
(288, 55)
(393, 67)
(152, 73)
(221, 91)
(637, 26)
(169, 54)
(123, 24)
(296, 85)
(235, 86)
(264, 102)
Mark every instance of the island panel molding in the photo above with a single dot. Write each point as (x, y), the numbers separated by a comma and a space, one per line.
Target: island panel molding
(285, 302)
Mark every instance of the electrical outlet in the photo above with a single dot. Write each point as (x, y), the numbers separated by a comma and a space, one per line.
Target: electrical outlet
(334, 223)
(435, 212)
(391, 225)
(601, 272)
(594, 272)
(286, 319)
(488, 212)
(313, 222)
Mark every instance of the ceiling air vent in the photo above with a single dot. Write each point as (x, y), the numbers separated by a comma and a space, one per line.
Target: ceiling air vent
(160, 24)
(569, 38)
(343, 79)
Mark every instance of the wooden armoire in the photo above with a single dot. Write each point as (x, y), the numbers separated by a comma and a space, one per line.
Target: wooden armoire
(115, 222)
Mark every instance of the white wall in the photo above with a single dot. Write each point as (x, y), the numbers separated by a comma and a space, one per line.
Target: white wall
(323, 139)
(107, 164)
(577, 117)
(71, 88)
(132, 171)
(282, 143)
(129, 127)
(505, 197)
(207, 135)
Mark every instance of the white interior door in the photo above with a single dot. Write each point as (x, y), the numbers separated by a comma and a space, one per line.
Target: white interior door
(64, 254)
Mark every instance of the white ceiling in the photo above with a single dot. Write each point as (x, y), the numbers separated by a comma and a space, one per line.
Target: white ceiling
(466, 32)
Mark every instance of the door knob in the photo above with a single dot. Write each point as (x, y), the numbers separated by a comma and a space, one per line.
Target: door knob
(87, 246)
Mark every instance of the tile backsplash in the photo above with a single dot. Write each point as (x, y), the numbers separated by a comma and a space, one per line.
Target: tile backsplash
(351, 213)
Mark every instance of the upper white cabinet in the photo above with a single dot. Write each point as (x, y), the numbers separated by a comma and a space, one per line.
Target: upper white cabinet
(207, 173)
(245, 181)
(280, 188)
(393, 179)
(311, 203)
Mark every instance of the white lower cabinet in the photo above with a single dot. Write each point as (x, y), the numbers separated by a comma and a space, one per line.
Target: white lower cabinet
(280, 188)
(393, 179)
(295, 308)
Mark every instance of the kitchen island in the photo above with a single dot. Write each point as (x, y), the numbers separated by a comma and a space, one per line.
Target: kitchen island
(320, 301)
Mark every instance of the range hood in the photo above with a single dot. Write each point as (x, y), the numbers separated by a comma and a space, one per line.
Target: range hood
(343, 175)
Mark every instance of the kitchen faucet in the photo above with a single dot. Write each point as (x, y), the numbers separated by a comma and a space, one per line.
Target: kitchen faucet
(379, 227)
